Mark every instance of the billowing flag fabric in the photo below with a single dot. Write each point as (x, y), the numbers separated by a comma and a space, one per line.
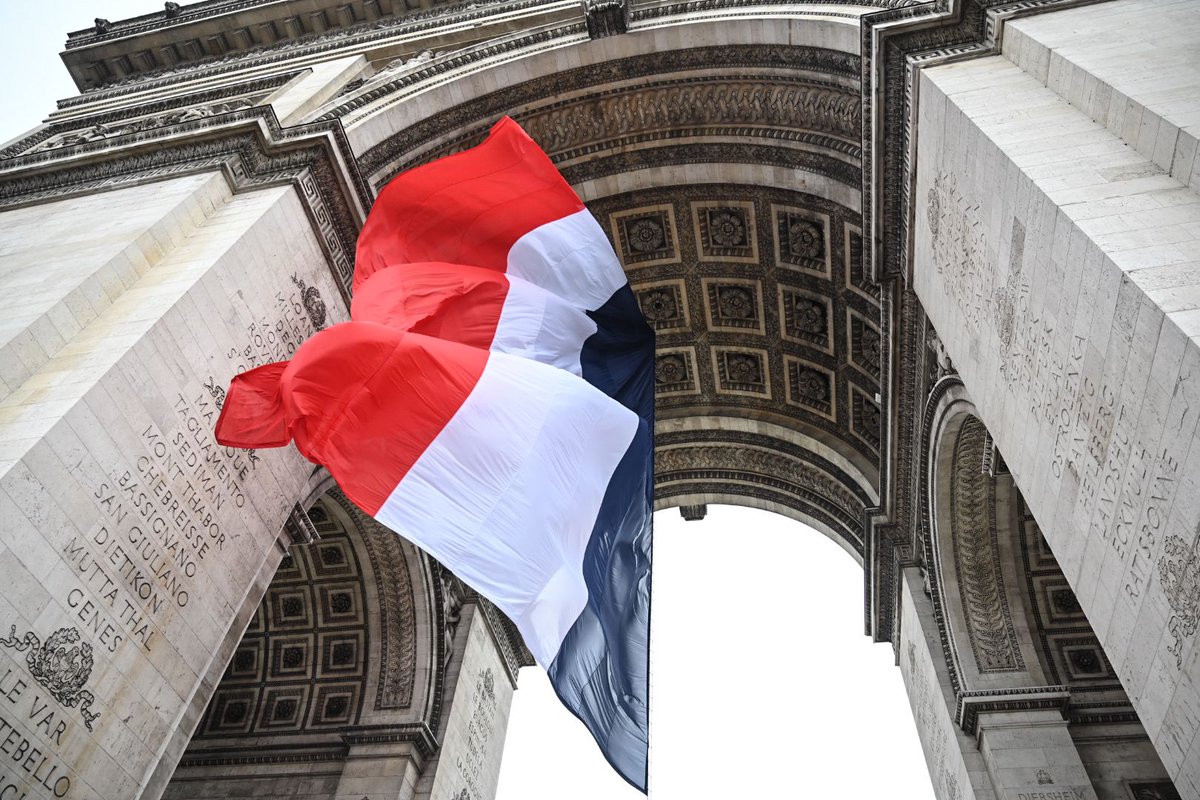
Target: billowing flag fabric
(504, 207)
(492, 401)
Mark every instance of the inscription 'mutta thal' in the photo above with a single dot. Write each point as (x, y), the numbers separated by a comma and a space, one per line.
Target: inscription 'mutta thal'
(947, 316)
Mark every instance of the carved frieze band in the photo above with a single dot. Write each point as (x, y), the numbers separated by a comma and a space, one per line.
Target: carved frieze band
(307, 45)
(973, 703)
(397, 623)
(757, 466)
(466, 122)
(146, 116)
(696, 105)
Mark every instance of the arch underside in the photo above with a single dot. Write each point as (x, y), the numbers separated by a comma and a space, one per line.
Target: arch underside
(341, 641)
(728, 178)
(1009, 616)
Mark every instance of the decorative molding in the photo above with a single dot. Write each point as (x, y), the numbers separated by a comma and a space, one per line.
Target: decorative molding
(513, 651)
(248, 146)
(606, 17)
(418, 733)
(299, 528)
(969, 705)
(396, 597)
(977, 556)
(463, 125)
(730, 463)
(306, 45)
(655, 12)
(941, 392)
(255, 90)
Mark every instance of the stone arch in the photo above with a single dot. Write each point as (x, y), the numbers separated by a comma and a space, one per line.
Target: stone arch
(722, 155)
(351, 639)
(969, 551)
(1014, 640)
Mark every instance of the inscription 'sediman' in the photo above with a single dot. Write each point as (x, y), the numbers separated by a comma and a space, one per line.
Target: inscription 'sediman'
(61, 666)
(1179, 571)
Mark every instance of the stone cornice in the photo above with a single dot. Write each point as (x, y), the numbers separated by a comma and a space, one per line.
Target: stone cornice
(133, 67)
(896, 46)
(111, 119)
(248, 146)
(763, 468)
(969, 705)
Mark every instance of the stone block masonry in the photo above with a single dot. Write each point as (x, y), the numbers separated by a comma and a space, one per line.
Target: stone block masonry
(1057, 255)
(131, 540)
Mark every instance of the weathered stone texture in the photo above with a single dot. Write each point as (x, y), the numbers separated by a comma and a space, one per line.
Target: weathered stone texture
(1057, 264)
(125, 524)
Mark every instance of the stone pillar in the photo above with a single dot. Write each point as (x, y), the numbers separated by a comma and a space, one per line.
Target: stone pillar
(1030, 756)
(476, 716)
(132, 546)
(956, 767)
(1055, 252)
(379, 769)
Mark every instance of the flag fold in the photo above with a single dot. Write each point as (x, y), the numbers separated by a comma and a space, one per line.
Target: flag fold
(492, 401)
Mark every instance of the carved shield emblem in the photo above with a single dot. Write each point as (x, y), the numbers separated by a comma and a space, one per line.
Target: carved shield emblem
(1179, 571)
(62, 666)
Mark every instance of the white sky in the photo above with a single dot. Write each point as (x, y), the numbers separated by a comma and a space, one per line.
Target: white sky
(763, 682)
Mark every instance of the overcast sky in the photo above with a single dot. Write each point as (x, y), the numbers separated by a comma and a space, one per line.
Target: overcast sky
(763, 682)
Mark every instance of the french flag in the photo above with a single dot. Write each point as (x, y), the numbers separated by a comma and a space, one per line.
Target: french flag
(492, 401)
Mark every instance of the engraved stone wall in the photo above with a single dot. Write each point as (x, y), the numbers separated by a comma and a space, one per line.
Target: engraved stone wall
(1085, 384)
(130, 536)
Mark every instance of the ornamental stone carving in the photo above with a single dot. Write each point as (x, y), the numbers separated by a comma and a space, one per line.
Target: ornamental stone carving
(804, 239)
(660, 304)
(61, 665)
(606, 17)
(727, 227)
(977, 556)
(645, 234)
(1179, 571)
(762, 462)
(697, 106)
(102, 131)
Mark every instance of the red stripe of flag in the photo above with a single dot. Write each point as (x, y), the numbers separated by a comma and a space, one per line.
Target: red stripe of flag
(469, 208)
(362, 399)
(447, 301)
